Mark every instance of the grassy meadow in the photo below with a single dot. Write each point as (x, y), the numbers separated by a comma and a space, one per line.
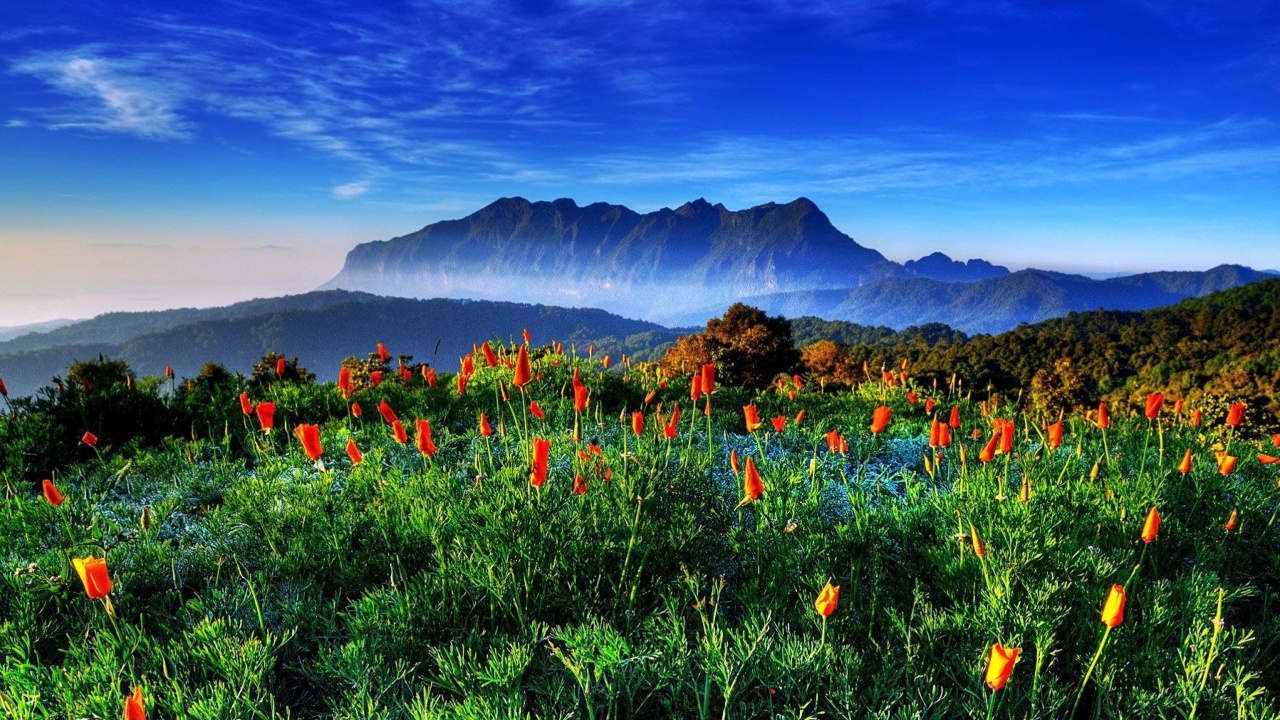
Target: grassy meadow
(440, 579)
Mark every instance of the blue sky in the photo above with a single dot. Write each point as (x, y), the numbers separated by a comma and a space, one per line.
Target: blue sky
(160, 154)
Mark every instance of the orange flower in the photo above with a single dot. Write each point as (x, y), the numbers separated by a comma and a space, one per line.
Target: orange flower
(752, 487)
(606, 362)
(134, 708)
(388, 414)
(462, 383)
(423, 438)
(541, 450)
(246, 405)
(353, 452)
(799, 416)
(637, 422)
(89, 439)
(579, 485)
(1055, 435)
(580, 393)
(344, 381)
(280, 367)
(944, 436)
(988, 452)
(1006, 436)
(1275, 439)
(355, 410)
(912, 397)
(1184, 467)
(430, 375)
(485, 429)
(168, 372)
(669, 430)
(648, 399)
(1104, 420)
(779, 423)
(4, 391)
(1155, 402)
(1151, 527)
(1267, 459)
(695, 387)
(51, 493)
(93, 575)
(733, 462)
(401, 436)
(1195, 418)
(490, 357)
(880, 419)
(1235, 415)
(1177, 407)
(1113, 608)
(266, 415)
(752, 417)
(935, 432)
(310, 437)
(523, 373)
(954, 421)
(827, 600)
(536, 410)
(1231, 521)
(383, 355)
(708, 378)
(527, 338)
(1000, 665)
(928, 406)
(1227, 464)
(833, 440)
(979, 548)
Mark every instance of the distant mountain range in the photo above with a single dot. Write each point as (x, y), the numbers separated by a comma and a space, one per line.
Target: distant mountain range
(684, 265)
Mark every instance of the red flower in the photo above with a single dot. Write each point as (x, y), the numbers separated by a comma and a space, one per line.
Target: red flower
(648, 399)
(523, 373)
(462, 383)
(637, 422)
(168, 372)
(880, 419)
(280, 367)
(935, 429)
(988, 452)
(431, 377)
(401, 436)
(485, 429)
(1267, 459)
(1055, 435)
(388, 414)
(1006, 437)
(536, 410)
(1235, 415)
(779, 423)
(928, 406)
(353, 452)
(541, 449)
(89, 439)
(752, 417)
(344, 381)
(383, 355)
(912, 397)
(355, 410)
(375, 378)
(1184, 467)
(695, 387)
(527, 339)
(310, 437)
(4, 391)
(752, 487)
(1195, 418)
(1104, 420)
(1151, 527)
(134, 708)
(51, 493)
(1155, 402)
(93, 575)
(579, 485)
(833, 440)
(797, 382)
(954, 421)
(423, 438)
(799, 416)
(708, 378)
(490, 357)
(246, 406)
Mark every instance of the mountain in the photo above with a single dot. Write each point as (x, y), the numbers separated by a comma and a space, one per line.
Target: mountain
(321, 329)
(1001, 303)
(652, 265)
(938, 266)
(8, 333)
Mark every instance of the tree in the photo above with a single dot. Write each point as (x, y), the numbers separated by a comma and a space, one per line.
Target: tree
(829, 363)
(748, 347)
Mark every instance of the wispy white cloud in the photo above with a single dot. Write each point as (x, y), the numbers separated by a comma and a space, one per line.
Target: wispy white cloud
(351, 190)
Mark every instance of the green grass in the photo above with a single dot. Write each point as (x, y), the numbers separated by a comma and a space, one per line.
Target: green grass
(449, 587)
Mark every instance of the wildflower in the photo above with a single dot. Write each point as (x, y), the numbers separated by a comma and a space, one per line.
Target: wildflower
(375, 378)
(541, 449)
(880, 419)
(1184, 467)
(430, 374)
(1177, 407)
(1104, 420)
(4, 391)
(1006, 437)
(988, 452)
(1235, 415)
(935, 431)
(797, 382)
(944, 436)
(51, 493)
(397, 428)
(1155, 402)
(353, 452)
(90, 439)
(383, 355)
(579, 485)
(93, 574)
(1151, 527)
(423, 438)
(280, 366)
(1267, 459)
(246, 405)
(833, 440)
(779, 423)
(954, 421)
(979, 548)
(310, 437)
(536, 410)
(485, 429)
(752, 487)
(134, 708)
(912, 397)
(1024, 494)
(527, 338)
(827, 600)
(1195, 418)
(606, 362)
(1227, 465)
(580, 396)
(1055, 435)
(1113, 608)
(388, 414)
(648, 399)
(490, 357)
(344, 381)
(168, 372)
(355, 410)
(733, 462)
(752, 417)
(266, 415)
(695, 387)
(799, 417)
(1000, 665)
(708, 378)
(523, 373)
(1231, 521)
(928, 406)
(669, 430)
(637, 422)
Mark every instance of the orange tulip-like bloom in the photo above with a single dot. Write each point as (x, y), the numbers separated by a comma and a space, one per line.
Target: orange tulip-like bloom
(89, 439)
(1267, 459)
(935, 431)
(527, 338)
(266, 412)
(1151, 527)
(4, 391)
(928, 406)
(1227, 464)
(246, 405)
(523, 373)
(752, 487)
(431, 377)
(833, 440)
(168, 372)
(708, 378)
(988, 453)
(799, 417)
(1275, 439)
(880, 419)
(388, 415)
(827, 600)
(536, 410)
(580, 397)
(733, 462)
(1231, 521)
(1055, 435)
(1000, 665)
(579, 484)
(541, 451)
(93, 575)
(355, 410)
(383, 355)
(1006, 436)
(1235, 416)
(954, 420)
(1184, 467)
(353, 452)
(1104, 420)
(344, 381)
(752, 417)
(912, 397)
(375, 378)
(1155, 402)
(280, 367)
(490, 357)
(779, 423)
(310, 437)
(606, 361)
(979, 547)
(1195, 418)
(134, 708)
(423, 438)
(1177, 407)
(462, 383)
(1113, 608)
(51, 493)
(485, 429)
(648, 399)
(695, 387)
(669, 430)
(944, 436)
(637, 422)
(397, 429)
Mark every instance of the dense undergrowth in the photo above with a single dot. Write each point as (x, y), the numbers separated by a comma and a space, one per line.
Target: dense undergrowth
(264, 585)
